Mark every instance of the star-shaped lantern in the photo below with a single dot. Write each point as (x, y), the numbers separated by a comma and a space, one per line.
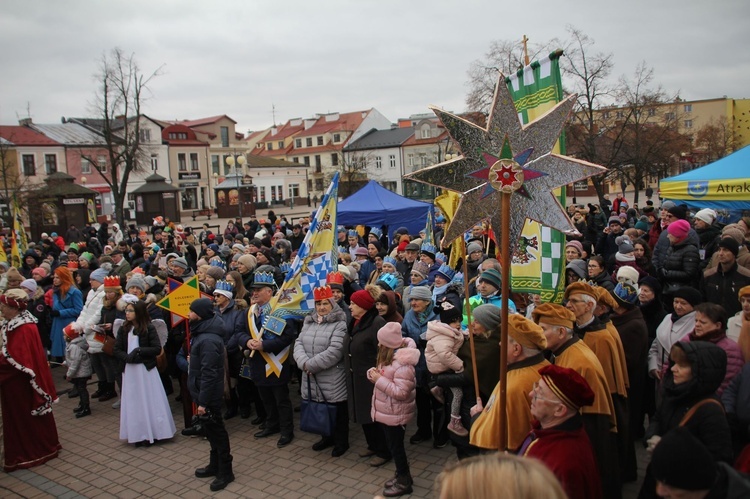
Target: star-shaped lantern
(509, 158)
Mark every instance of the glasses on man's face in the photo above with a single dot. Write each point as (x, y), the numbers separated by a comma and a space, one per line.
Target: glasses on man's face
(536, 394)
(575, 300)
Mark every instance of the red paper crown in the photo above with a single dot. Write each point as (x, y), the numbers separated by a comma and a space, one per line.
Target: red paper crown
(112, 281)
(335, 278)
(73, 265)
(323, 293)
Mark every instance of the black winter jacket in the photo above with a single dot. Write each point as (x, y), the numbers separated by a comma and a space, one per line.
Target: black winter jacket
(206, 372)
(681, 267)
(709, 423)
(145, 354)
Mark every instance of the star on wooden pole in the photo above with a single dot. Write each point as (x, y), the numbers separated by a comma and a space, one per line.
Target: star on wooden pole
(507, 150)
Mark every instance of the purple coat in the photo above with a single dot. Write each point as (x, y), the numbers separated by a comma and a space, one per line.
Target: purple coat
(394, 397)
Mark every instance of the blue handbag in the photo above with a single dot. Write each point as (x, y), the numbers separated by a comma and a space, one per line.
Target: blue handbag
(317, 417)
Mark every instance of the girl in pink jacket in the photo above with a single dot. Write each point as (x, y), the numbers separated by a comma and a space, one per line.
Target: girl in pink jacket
(394, 399)
(444, 338)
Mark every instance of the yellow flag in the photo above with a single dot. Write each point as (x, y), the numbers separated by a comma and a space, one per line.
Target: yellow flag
(448, 204)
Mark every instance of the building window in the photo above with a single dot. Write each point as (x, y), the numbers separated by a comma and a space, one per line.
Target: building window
(50, 163)
(101, 162)
(262, 193)
(335, 159)
(154, 162)
(688, 108)
(378, 162)
(318, 184)
(293, 190)
(269, 146)
(145, 135)
(297, 143)
(29, 168)
(605, 115)
(423, 159)
(619, 115)
(177, 136)
(688, 123)
(190, 199)
(652, 111)
(85, 166)
(320, 140)
(225, 136)
(337, 137)
(280, 190)
(426, 132)
(295, 160)
(182, 162)
(308, 141)
(307, 160)
(215, 165)
(410, 158)
(273, 193)
(280, 144)
(194, 161)
(668, 116)
(392, 160)
(317, 160)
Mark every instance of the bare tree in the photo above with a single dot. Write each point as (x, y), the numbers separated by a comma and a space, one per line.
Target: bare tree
(353, 171)
(14, 186)
(122, 89)
(503, 56)
(716, 139)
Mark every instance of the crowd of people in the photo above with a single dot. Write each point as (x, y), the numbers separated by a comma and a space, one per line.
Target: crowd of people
(649, 347)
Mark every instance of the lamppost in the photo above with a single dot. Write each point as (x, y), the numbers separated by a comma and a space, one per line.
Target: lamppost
(239, 168)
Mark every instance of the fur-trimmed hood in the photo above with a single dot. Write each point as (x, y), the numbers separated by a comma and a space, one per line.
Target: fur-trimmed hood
(407, 355)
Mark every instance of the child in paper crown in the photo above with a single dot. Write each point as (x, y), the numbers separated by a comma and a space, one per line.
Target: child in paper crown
(444, 338)
(79, 367)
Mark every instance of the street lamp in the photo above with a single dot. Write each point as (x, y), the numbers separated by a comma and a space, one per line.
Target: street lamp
(239, 167)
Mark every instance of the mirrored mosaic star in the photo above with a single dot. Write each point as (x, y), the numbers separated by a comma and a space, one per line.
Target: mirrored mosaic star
(507, 154)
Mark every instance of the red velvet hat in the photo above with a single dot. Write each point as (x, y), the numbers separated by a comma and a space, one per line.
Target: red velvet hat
(569, 386)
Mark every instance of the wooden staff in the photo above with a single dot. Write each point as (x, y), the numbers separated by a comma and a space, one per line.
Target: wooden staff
(468, 324)
(505, 293)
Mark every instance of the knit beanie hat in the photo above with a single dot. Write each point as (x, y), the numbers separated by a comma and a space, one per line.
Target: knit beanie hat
(390, 335)
(449, 308)
(215, 272)
(679, 229)
(679, 211)
(40, 271)
(180, 262)
(577, 245)
(707, 215)
(734, 231)
(730, 244)
(493, 277)
(628, 275)
(29, 284)
(487, 315)
(248, 261)
(642, 225)
(420, 268)
(98, 275)
(682, 461)
(651, 282)
(136, 282)
(420, 293)
(614, 219)
(689, 294)
(363, 299)
(472, 247)
(213, 247)
(624, 245)
(13, 274)
(203, 308)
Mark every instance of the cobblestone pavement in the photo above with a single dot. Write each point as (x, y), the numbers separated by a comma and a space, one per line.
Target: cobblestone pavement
(95, 463)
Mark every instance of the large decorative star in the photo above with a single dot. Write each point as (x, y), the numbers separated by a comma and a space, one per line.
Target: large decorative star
(488, 166)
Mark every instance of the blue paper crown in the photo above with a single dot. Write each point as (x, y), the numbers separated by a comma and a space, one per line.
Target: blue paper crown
(458, 278)
(223, 285)
(376, 232)
(265, 278)
(218, 263)
(446, 271)
(341, 228)
(390, 279)
(626, 293)
(430, 248)
(441, 257)
(353, 233)
(285, 267)
(391, 260)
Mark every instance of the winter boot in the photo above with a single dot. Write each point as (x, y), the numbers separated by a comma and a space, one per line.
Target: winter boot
(401, 486)
(85, 411)
(211, 469)
(101, 389)
(456, 427)
(109, 393)
(224, 476)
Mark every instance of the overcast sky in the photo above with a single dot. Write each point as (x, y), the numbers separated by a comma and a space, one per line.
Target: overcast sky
(241, 57)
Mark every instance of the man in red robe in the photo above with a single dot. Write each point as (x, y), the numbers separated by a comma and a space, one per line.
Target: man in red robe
(27, 390)
(557, 437)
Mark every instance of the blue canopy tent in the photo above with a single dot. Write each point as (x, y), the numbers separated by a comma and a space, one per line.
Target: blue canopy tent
(723, 186)
(374, 205)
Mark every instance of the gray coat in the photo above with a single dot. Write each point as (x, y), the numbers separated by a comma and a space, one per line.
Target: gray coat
(77, 358)
(320, 348)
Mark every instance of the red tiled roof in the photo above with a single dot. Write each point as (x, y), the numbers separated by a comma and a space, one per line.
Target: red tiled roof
(414, 141)
(346, 121)
(205, 121)
(24, 136)
(305, 151)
